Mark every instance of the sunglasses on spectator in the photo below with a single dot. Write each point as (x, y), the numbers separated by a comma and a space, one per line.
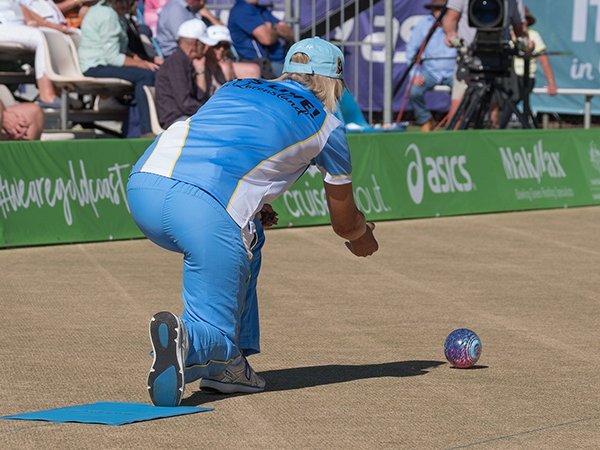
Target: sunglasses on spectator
(224, 45)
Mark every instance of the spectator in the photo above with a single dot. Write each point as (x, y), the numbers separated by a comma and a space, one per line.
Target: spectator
(103, 53)
(173, 14)
(24, 121)
(522, 87)
(55, 12)
(257, 36)
(538, 47)
(135, 31)
(46, 9)
(220, 67)
(19, 24)
(437, 66)
(75, 10)
(181, 82)
(456, 25)
(152, 10)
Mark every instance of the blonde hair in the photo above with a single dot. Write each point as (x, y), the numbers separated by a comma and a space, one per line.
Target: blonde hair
(326, 89)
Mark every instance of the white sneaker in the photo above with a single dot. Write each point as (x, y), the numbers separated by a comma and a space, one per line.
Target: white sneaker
(169, 338)
(238, 376)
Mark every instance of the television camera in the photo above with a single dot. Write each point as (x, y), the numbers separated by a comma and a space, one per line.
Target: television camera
(486, 64)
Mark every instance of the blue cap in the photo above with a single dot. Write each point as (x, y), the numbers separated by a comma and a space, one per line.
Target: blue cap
(324, 59)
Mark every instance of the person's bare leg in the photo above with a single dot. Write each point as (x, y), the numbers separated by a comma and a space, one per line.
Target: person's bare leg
(46, 88)
(494, 116)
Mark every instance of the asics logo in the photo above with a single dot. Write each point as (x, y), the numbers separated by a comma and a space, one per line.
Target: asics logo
(444, 174)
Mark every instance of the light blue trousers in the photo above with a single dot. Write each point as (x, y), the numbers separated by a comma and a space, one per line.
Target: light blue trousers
(219, 279)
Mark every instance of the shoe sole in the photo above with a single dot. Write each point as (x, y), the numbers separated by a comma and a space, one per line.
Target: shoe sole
(228, 388)
(166, 378)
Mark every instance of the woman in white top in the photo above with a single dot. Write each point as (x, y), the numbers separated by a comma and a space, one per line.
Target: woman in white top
(54, 12)
(19, 24)
(46, 9)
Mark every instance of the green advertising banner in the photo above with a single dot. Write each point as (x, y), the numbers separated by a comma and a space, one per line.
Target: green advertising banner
(410, 175)
(75, 191)
(68, 191)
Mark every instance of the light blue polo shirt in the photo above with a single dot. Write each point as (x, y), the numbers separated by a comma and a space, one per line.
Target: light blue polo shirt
(249, 143)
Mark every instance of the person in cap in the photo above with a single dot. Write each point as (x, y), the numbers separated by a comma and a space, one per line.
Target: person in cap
(203, 189)
(521, 87)
(219, 63)
(181, 82)
(436, 65)
(539, 46)
(172, 14)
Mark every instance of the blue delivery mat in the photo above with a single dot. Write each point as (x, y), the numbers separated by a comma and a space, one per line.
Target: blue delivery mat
(108, 413)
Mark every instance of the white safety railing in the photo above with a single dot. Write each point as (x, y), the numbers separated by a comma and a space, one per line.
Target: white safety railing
(587, 93)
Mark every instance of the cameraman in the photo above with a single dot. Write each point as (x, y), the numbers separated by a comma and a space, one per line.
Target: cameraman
(456, 25)
(438, 63)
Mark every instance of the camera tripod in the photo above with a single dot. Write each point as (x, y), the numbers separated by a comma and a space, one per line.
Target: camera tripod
(475, 104)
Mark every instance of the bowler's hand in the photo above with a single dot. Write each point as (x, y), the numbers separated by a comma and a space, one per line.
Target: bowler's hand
(268, 216)
(365, 245)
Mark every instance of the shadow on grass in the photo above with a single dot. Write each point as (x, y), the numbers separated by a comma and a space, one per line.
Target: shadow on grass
(305, 377)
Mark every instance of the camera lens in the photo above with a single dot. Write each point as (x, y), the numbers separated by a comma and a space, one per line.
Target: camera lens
(486, 13)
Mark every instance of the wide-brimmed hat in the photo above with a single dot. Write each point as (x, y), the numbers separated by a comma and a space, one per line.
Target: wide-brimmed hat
(436, 4)
(529, 17)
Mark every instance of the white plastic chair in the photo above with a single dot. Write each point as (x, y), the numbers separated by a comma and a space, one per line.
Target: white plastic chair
(6, 96)
(62, 68)
(76, 37)
(156, 128)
